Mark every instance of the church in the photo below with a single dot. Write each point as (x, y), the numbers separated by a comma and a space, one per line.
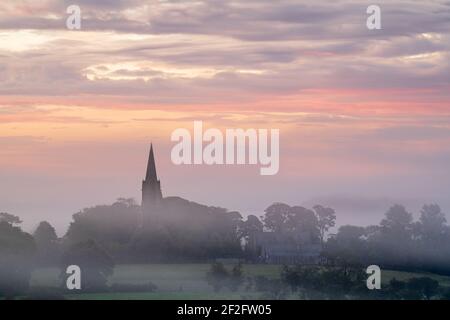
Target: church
(178, 230)
(200, 224)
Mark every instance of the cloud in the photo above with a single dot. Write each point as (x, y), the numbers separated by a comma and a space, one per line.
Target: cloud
(199, 52)
(20, 141)
(414, 133)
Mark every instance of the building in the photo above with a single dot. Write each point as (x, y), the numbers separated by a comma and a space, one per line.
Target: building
(277, 248)
(151, 186)
(269, 247)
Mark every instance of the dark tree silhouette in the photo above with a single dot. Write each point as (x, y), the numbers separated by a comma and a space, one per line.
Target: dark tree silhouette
(422, 288)
(326, 218)
(111, 226)
(250, 227)
(9, 218)
(45, 233)
(432, 224)
(347, 247)
(248, 231)
(217, 276)
(48, 249)
(297, 222)
(397, 222)
(95, 264)
(16, 254)
(276, 216)
(303, 224)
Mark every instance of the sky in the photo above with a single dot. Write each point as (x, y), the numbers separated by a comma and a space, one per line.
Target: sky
(364, 115)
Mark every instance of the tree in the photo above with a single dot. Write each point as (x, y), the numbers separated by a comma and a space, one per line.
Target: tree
(276, 216)
(45, 233)
(302, 224)
(393, 245)
(422, 288)
(95, 264)
(110, 226)
(326, 219)
(250, 227)
(9, 218)
(349, 233)
(297, 222)
(348, 246)
(236, 277)
(16, 255)
(396, 288)
(432, 223)
(48, 251)
(397, 221)
(217, 276)
(248, 231)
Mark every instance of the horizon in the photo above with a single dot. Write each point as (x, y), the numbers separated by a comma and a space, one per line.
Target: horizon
(378, 206)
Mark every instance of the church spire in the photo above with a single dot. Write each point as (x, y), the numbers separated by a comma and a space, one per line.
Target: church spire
(151, 167)
(151, 187)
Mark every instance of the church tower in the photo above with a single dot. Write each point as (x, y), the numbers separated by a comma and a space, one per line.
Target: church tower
(151, 188)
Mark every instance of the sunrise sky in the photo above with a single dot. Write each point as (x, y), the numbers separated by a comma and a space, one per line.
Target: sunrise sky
(364, 116)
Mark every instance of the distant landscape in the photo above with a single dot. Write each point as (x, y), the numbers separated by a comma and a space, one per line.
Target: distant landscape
(224, 256)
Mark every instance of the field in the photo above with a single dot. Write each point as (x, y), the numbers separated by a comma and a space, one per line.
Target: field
(185, 281)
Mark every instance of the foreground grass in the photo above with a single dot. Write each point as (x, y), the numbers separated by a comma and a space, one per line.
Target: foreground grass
(168, 277)
(186, 281)
(164, 296)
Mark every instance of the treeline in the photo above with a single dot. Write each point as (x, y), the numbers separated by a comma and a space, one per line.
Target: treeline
(181, 231)
(398, 242)
(177, 231)
(322, 283)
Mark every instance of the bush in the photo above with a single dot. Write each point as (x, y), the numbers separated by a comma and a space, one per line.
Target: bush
(217, 276)
(95, 264)
(236, 278)
(273, 289)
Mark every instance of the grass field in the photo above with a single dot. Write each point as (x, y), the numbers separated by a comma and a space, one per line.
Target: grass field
(185, 281)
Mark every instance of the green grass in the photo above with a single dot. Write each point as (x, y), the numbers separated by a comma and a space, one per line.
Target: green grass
(186, 281)
(168, 277)
(164, 296)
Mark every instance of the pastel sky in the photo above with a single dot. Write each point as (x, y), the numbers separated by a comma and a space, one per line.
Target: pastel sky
(364, 116)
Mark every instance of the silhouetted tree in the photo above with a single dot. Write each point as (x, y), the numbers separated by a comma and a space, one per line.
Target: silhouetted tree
(298, 222)
(347, 247)
(324, 282)
(236, 277)
(180, 230)
(397, 223)
(432, 224)
(422, 288)
(276, 216)
(302, 224)
(9, 218)
(48, 251)
(250, 227)
(217, 276)
(45, 233)
(95, 264)
(248, 231)
(326, 219)
(16, 255)
(111, 226)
